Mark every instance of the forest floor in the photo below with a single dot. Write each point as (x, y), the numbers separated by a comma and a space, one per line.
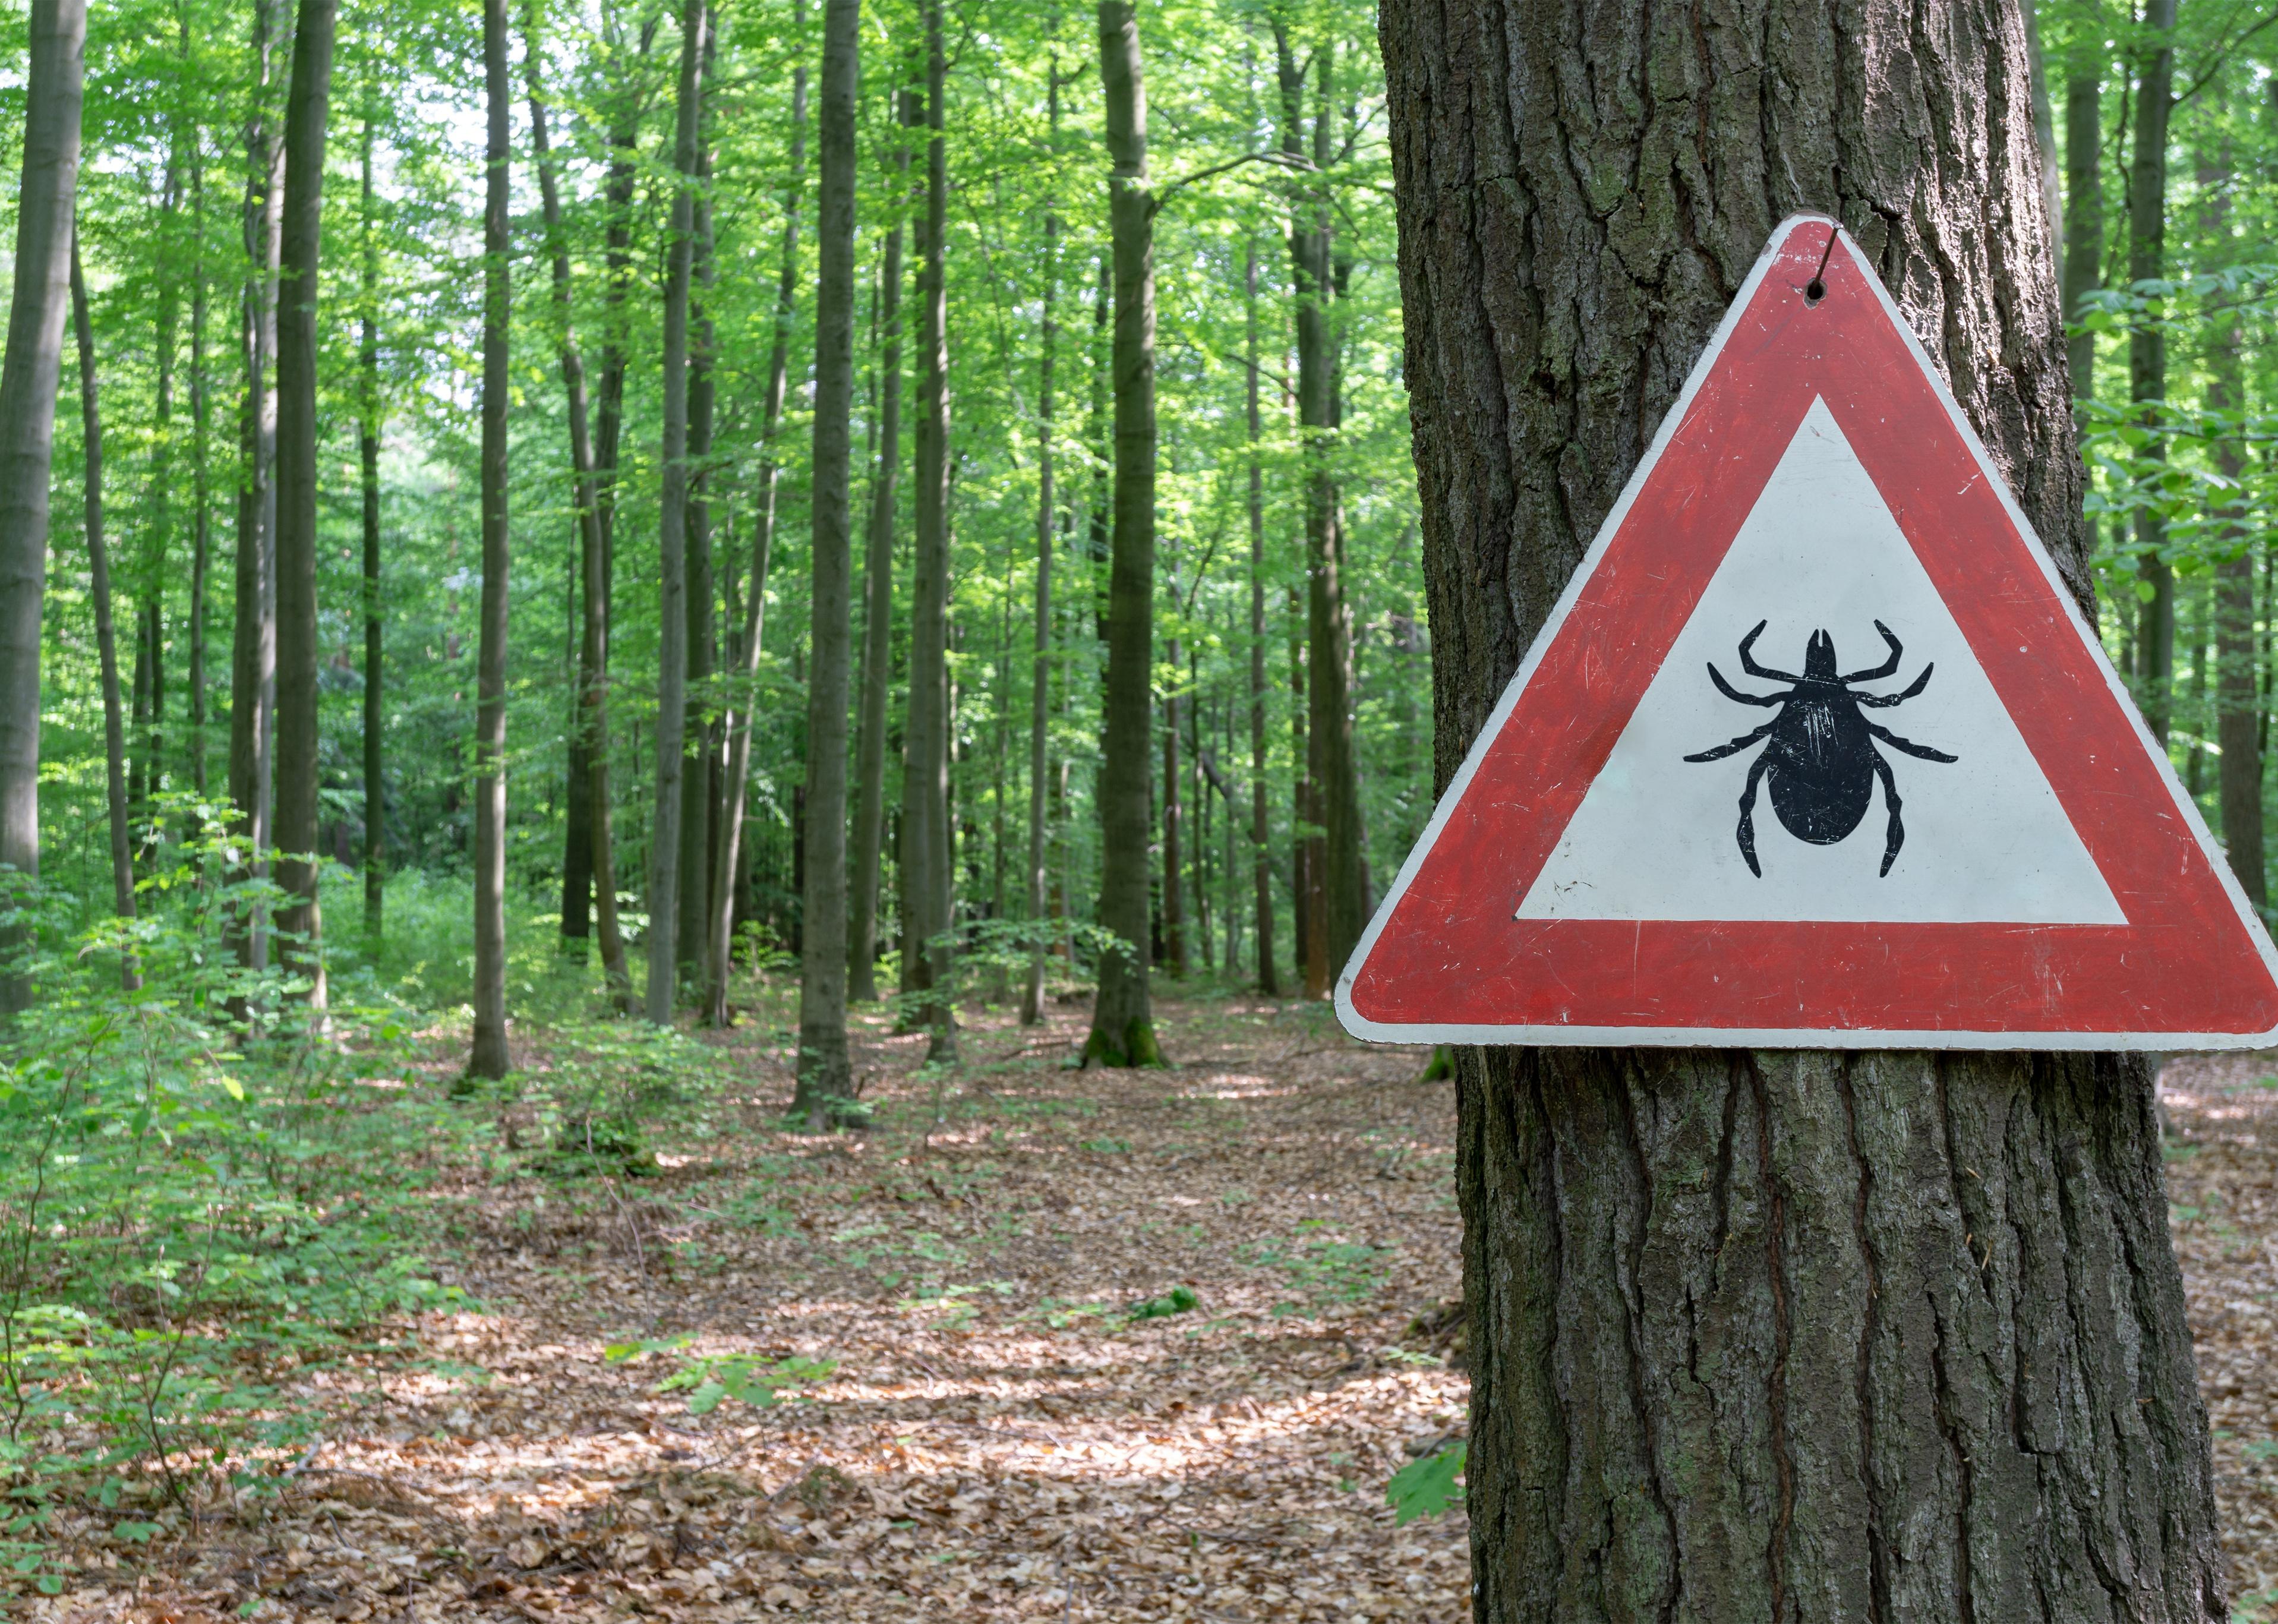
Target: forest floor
(1107, 1346)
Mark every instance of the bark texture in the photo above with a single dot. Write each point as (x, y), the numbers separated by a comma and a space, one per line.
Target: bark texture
(487, 1056)
(1767, 1336)
(1122, 1015)
(824, 1079)
(45, 197)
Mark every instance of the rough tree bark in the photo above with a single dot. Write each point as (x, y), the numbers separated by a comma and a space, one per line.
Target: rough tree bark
(368, 425)
(106, 635)
(672, 530)
(298, 920)
(1777, 1336)
(878, 611)
(825, 1082)
(487, 1056)
(46, 195)
(2147, 351)
(1122, 1013)
(925, 837)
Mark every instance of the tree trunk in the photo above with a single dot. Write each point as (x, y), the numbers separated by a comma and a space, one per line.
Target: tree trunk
(728, 839)
(2147, 353)
(1122, 1015)
(298, 920)
(592, 732)
(878, 612)
(1269, 976)
(672, 530)
(45, 197)
(699, 761)
(367, 427)
(1174, 912)
(824, 1078)
(106, 639)
(2238, 722)
(1784, 1335)
(2084, 220)
(201, 522)
(487, 1056)
(1032, 990)
(926, 836)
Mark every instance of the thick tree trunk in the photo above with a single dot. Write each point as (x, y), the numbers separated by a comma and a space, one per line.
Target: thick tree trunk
(728, 836)
(487, 1057)
(592, 732)
(878, 616)
(1269, 974)
(925, 835)
(825, 1082)
(1772, 1336)
(672, 531)
(1122, 1015)
(1039, 683)
(106, 638)
(298, 919)
(2147, 352)
(45, 197)
(368, 425)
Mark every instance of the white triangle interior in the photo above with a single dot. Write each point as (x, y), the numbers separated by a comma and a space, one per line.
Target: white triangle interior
(1985, 838)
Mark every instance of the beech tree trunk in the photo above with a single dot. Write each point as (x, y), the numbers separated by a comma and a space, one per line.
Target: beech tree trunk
(925, 837)
(1122, 1014)
(1032, 989)
(672, 532)
(46, 195)
(367, 427)
(106, 635)
(1174, 821)
(488, 1056)
(298, 918)
(1768, 1335)
(878, 611)
(201, 521)
(1261, 862)
(699, 761)
(825, 1082)
(2147, 353)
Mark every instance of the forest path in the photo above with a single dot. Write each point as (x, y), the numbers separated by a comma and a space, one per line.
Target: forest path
(1026, 1420)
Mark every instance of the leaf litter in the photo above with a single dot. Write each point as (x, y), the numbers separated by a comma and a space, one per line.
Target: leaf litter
(1040, 1344)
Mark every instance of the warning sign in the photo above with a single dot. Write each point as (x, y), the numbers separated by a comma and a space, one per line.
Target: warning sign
(1815, 750)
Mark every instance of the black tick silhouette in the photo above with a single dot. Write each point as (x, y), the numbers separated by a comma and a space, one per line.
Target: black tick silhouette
(1821, 749)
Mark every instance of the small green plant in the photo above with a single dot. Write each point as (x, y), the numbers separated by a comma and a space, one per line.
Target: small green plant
(1427, 1486)
(1178, 1299)
(753, 1379)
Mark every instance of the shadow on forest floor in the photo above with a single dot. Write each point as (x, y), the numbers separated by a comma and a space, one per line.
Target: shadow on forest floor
(1136, 1346)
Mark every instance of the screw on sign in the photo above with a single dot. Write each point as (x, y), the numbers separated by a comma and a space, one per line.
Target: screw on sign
(1582, 879)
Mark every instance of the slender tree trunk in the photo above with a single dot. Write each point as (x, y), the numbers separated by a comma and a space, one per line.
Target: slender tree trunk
(106, 640)
(672, 530)
(45, 197)
(699, 761)
(367, 427)
(1269, 977)
(488, 1056)
(728, 837)
(1122, 1018)
(927, 837)
(158, 537)
(878, 612)
(252, 644)
(2147, 352)
(592, 732)
(298, 919)
(1787, 1335)
(1174, 913)
(2238, 720)
(1032, 990)
(2084, 220)
(824, 1078)
(201, 479)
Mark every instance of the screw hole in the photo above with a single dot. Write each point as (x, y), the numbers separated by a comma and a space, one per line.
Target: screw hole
(1813, 291)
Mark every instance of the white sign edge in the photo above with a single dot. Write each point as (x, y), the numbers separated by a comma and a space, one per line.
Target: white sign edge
(1806, 1038)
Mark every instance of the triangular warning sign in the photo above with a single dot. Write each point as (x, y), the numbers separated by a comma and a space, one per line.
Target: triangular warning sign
(1815, 750)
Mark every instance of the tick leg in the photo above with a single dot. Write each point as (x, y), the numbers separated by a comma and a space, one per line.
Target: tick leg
(1737, 746)
(1748, 660)
(1896, 835)
(1909, 745)
(1748, 817)
(1731, 693)
(1888, 667)
(1913, 688)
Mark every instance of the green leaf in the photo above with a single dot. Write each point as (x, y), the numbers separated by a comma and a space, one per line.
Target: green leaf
(1427, 1486)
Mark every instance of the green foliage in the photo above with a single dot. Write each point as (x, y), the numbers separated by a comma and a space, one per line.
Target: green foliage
(748, 1378)
(1427, 1486)
(1178, 1299)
